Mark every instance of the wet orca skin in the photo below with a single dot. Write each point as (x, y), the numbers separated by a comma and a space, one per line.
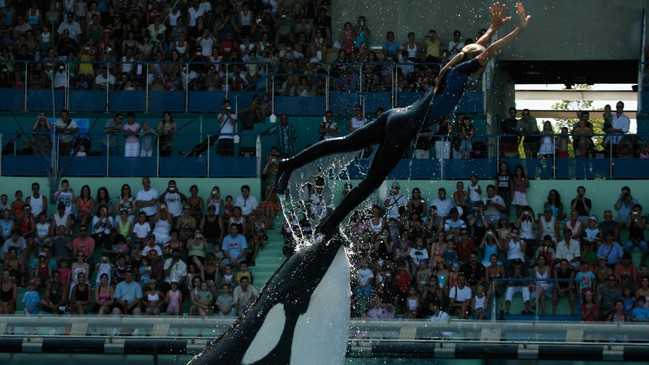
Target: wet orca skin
(291, 286)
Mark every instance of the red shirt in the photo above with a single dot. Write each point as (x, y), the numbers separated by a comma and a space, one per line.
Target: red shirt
(87, 246)
(403, 280)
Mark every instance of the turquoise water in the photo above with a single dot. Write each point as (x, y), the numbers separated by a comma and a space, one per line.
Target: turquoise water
(76, 359)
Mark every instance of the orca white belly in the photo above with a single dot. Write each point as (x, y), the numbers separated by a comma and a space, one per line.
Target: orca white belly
(320, 336)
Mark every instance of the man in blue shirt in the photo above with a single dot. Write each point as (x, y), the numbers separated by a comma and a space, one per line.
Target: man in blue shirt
(234, 245)
(640, 313)
(390, 47)
(31, 299)
(128, 295)
(610, 250)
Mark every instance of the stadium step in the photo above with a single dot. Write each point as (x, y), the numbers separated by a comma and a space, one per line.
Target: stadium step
(270, 257)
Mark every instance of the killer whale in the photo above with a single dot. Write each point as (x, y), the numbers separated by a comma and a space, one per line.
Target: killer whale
(306, 298)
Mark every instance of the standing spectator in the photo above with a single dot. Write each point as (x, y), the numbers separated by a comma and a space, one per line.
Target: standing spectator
(433, 47)
(328, 126)
(509, 135)
(529, 129)
(581, 204)
(624, 204)
(519, 187)
(173, 199)
(67, 129)
(390, 46)
(246, 202)
(227, 128)
(41, 136)
(146, 199)
(620, 125)
(357, 121)
(37, 201)
(394, 202)
(128, 296)
(131, 131)
(504, 183)
(166, 132)
(637, 227)
(112, 129)
(456, 45)
(287, 136)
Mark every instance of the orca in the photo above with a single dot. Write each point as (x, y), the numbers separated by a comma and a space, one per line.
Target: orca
(300, 317)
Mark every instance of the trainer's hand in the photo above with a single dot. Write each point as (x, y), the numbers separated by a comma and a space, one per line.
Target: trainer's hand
(498, 18)
(522, 14)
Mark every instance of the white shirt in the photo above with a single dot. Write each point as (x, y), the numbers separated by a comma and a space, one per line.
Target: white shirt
(177, 271)
(443, 206)
(141, 230)
(474, 195)
(226, 125)
(358, 123)
(450, 224)
(620, 122)
(441, 316)
(101, 79)
(73, 28)
(568, 253)
(103, 227)
(146, 195)
(460, 294)
(547, 146)
(419, 255)
(394, 203)
(515, 250)
(194, 14)
(147, 248)
(174, 203)
(59, 79)
(247, 205)
(173, 18)
(206, 46)
(36, 204)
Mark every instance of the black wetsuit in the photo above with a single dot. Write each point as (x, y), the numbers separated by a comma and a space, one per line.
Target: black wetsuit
(393, 131)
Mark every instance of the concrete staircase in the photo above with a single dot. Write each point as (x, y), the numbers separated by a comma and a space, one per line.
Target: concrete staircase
(270, 257)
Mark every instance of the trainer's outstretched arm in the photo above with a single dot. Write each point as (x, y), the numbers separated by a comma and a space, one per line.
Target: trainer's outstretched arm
(498, 19)
(502, 42)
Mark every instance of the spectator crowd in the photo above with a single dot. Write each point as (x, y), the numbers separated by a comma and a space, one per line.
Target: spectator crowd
(473, 252)
(141, 252)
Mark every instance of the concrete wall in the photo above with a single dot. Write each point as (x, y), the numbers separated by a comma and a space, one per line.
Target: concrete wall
(561, 29)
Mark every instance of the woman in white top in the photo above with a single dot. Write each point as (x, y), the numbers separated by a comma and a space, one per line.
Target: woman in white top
(543, 275)
(215, 200)
(102, 224)
(43, 228)
(548, 225)
(515, 247)
(526, 224)
(162, 228)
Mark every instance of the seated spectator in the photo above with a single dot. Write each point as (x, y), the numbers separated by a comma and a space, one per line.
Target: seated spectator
(640, 312)
(609, 226)
(544, 285)
(235, 245)
(201, 300)
(589, 308)
(246, 202)
(244, 295)
(617, 314)
(453, 223)
(175, 269)
(55, 295)
(128, 296)
(610, 250)
(569, 249)
(625, 272)
(495, 206)
(31, 299)
(224, 301)
(608, 293)
(460, 297)
(174, 299)
(564, 275)
(7, 293)
(80, 295)
(585, 278)
(153, 299)
(517, 275)
(443, 203)
(104, 294)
